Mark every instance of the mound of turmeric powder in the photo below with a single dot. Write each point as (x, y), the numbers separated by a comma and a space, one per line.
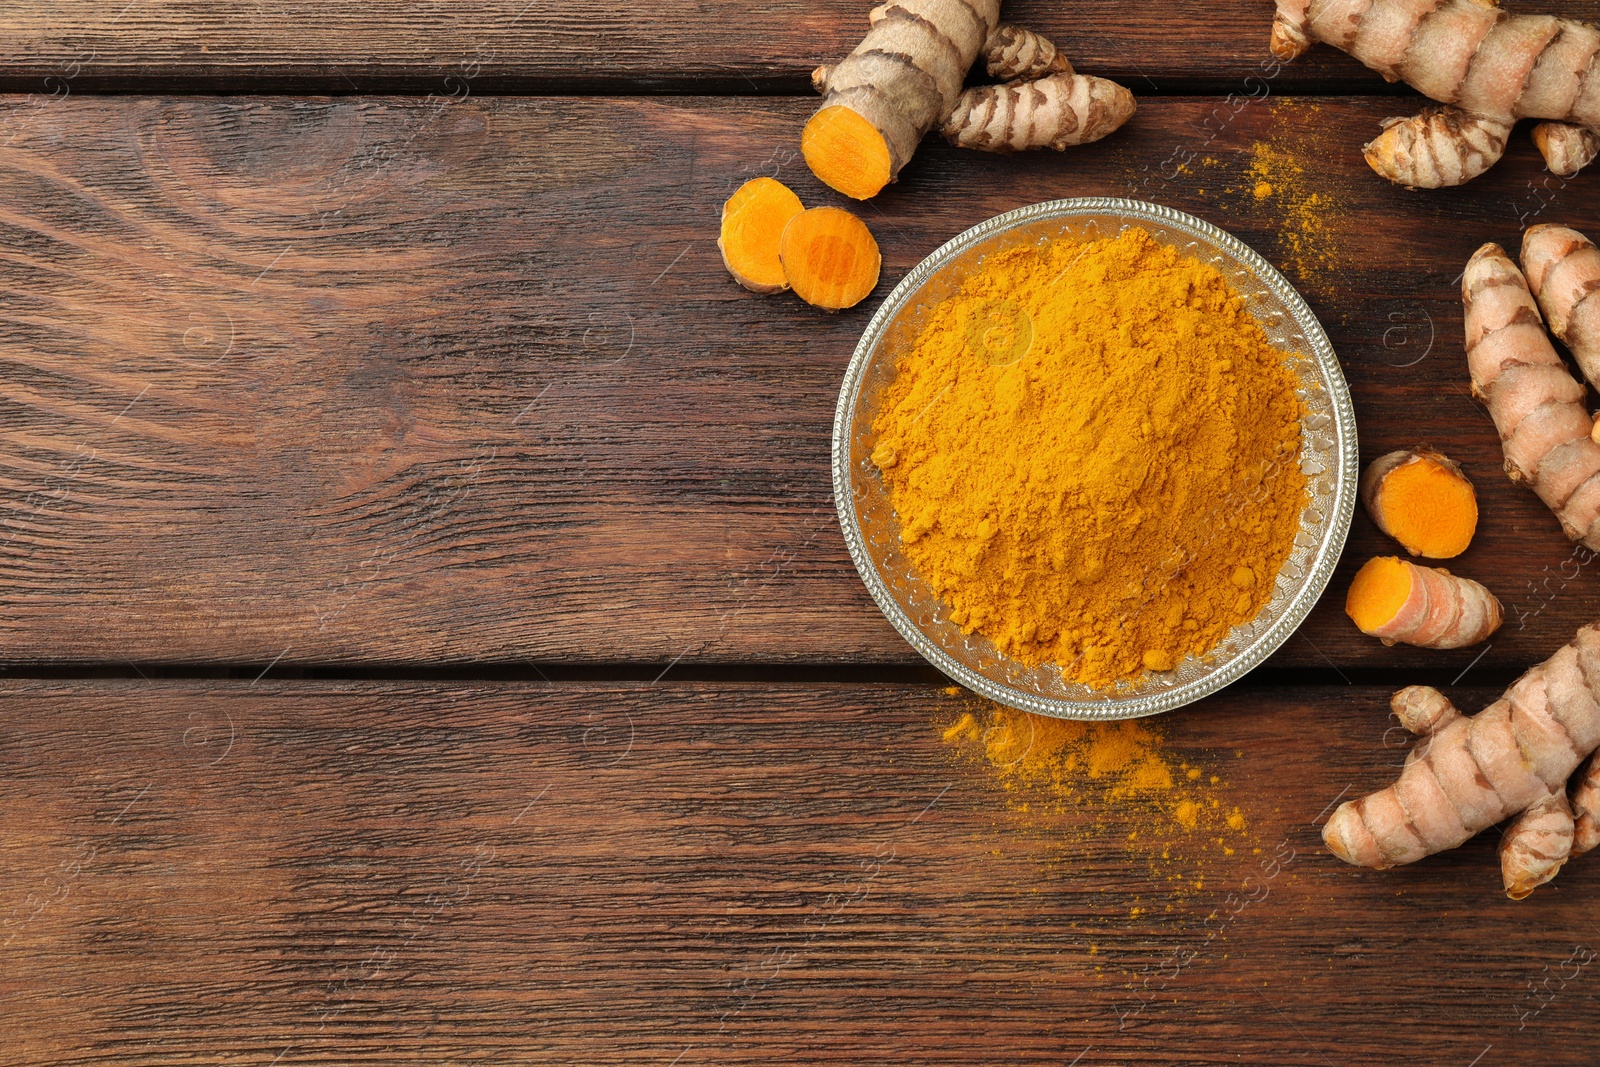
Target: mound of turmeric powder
(1093, 451)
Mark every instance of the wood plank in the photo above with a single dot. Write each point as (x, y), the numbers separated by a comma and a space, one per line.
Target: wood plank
(379, 873)
(380, 381)
(505, 46)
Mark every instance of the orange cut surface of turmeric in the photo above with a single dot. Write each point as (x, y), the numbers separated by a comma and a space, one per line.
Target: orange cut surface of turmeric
(830, 258)
(1380, 589)
(1423, 500)
(847, 152)
(1092, 449)
(753, 221)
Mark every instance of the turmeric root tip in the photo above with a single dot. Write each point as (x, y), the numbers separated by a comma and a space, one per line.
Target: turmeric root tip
(1585, 787)
(1566, 148)
(1423, 500)
(847, 152)
(830, 258)
(1400, 602)
(1536, 845)
(752, 226)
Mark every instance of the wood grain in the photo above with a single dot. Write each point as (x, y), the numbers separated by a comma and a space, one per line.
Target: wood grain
(399, 381)
(58, 46)
(384, 873)
(513, 46)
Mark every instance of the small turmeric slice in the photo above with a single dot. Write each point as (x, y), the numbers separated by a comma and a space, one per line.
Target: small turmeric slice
(1401, 603)
(830, 258)
(1423, 500)
(753, 220)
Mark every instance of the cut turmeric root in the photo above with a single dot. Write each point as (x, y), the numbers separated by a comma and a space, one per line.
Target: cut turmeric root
(1402, 603)
(847, 152)
(829, 258)
(900, 81)
(905, 78)
(753, 220)
(1423, 500)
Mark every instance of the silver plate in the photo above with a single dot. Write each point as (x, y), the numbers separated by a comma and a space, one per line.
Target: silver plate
(1328, 457)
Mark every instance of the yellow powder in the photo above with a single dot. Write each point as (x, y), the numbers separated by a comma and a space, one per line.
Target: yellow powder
(1093, 452)
(1036, 749)
(1306, 238)
(1073, 790)
(1187, 813)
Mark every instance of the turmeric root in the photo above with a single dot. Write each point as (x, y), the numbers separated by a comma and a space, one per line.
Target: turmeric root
(1054, 112)
(753, 220)
(1566, 148)
(1535, 402)
(1441, 147)
(829, 258)
(1402, 603)
(1490, 68)
(905, 78)
(1008, 52)
(1423, 710)
(1479, 769)
(1423, 500)
(1586, 807)
(1536, 844)
(901, 80)
(1012, 53)
(1563, 274)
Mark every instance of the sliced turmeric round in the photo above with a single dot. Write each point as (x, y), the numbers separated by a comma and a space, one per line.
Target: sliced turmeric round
(753, 220)
(847, 152)
(1423, 500)
(830, 258)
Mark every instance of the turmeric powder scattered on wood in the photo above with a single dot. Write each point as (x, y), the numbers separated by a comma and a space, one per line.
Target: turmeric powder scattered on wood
(1284, 175)
(1093, 451)
(1102, 785)
(1423, 500)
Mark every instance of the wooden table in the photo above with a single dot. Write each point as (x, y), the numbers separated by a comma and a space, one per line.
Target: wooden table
(428, 638)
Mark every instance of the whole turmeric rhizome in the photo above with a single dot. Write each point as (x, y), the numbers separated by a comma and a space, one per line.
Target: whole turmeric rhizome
(1094, 453)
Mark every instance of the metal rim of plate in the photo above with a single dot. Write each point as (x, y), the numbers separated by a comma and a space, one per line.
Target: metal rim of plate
(1326, 541)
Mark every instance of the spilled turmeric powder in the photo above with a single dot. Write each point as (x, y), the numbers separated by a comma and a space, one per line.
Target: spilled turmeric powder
(1092, 449)
(1120, 763)
(1307, 241)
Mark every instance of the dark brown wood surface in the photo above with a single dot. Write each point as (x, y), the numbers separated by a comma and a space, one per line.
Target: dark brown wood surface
(365, 46)
(321, 413)
(397, 381)
(362, 46)
(302, 873)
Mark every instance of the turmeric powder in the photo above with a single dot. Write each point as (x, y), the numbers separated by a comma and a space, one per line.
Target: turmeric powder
(1122, 765)
(1093, 451)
